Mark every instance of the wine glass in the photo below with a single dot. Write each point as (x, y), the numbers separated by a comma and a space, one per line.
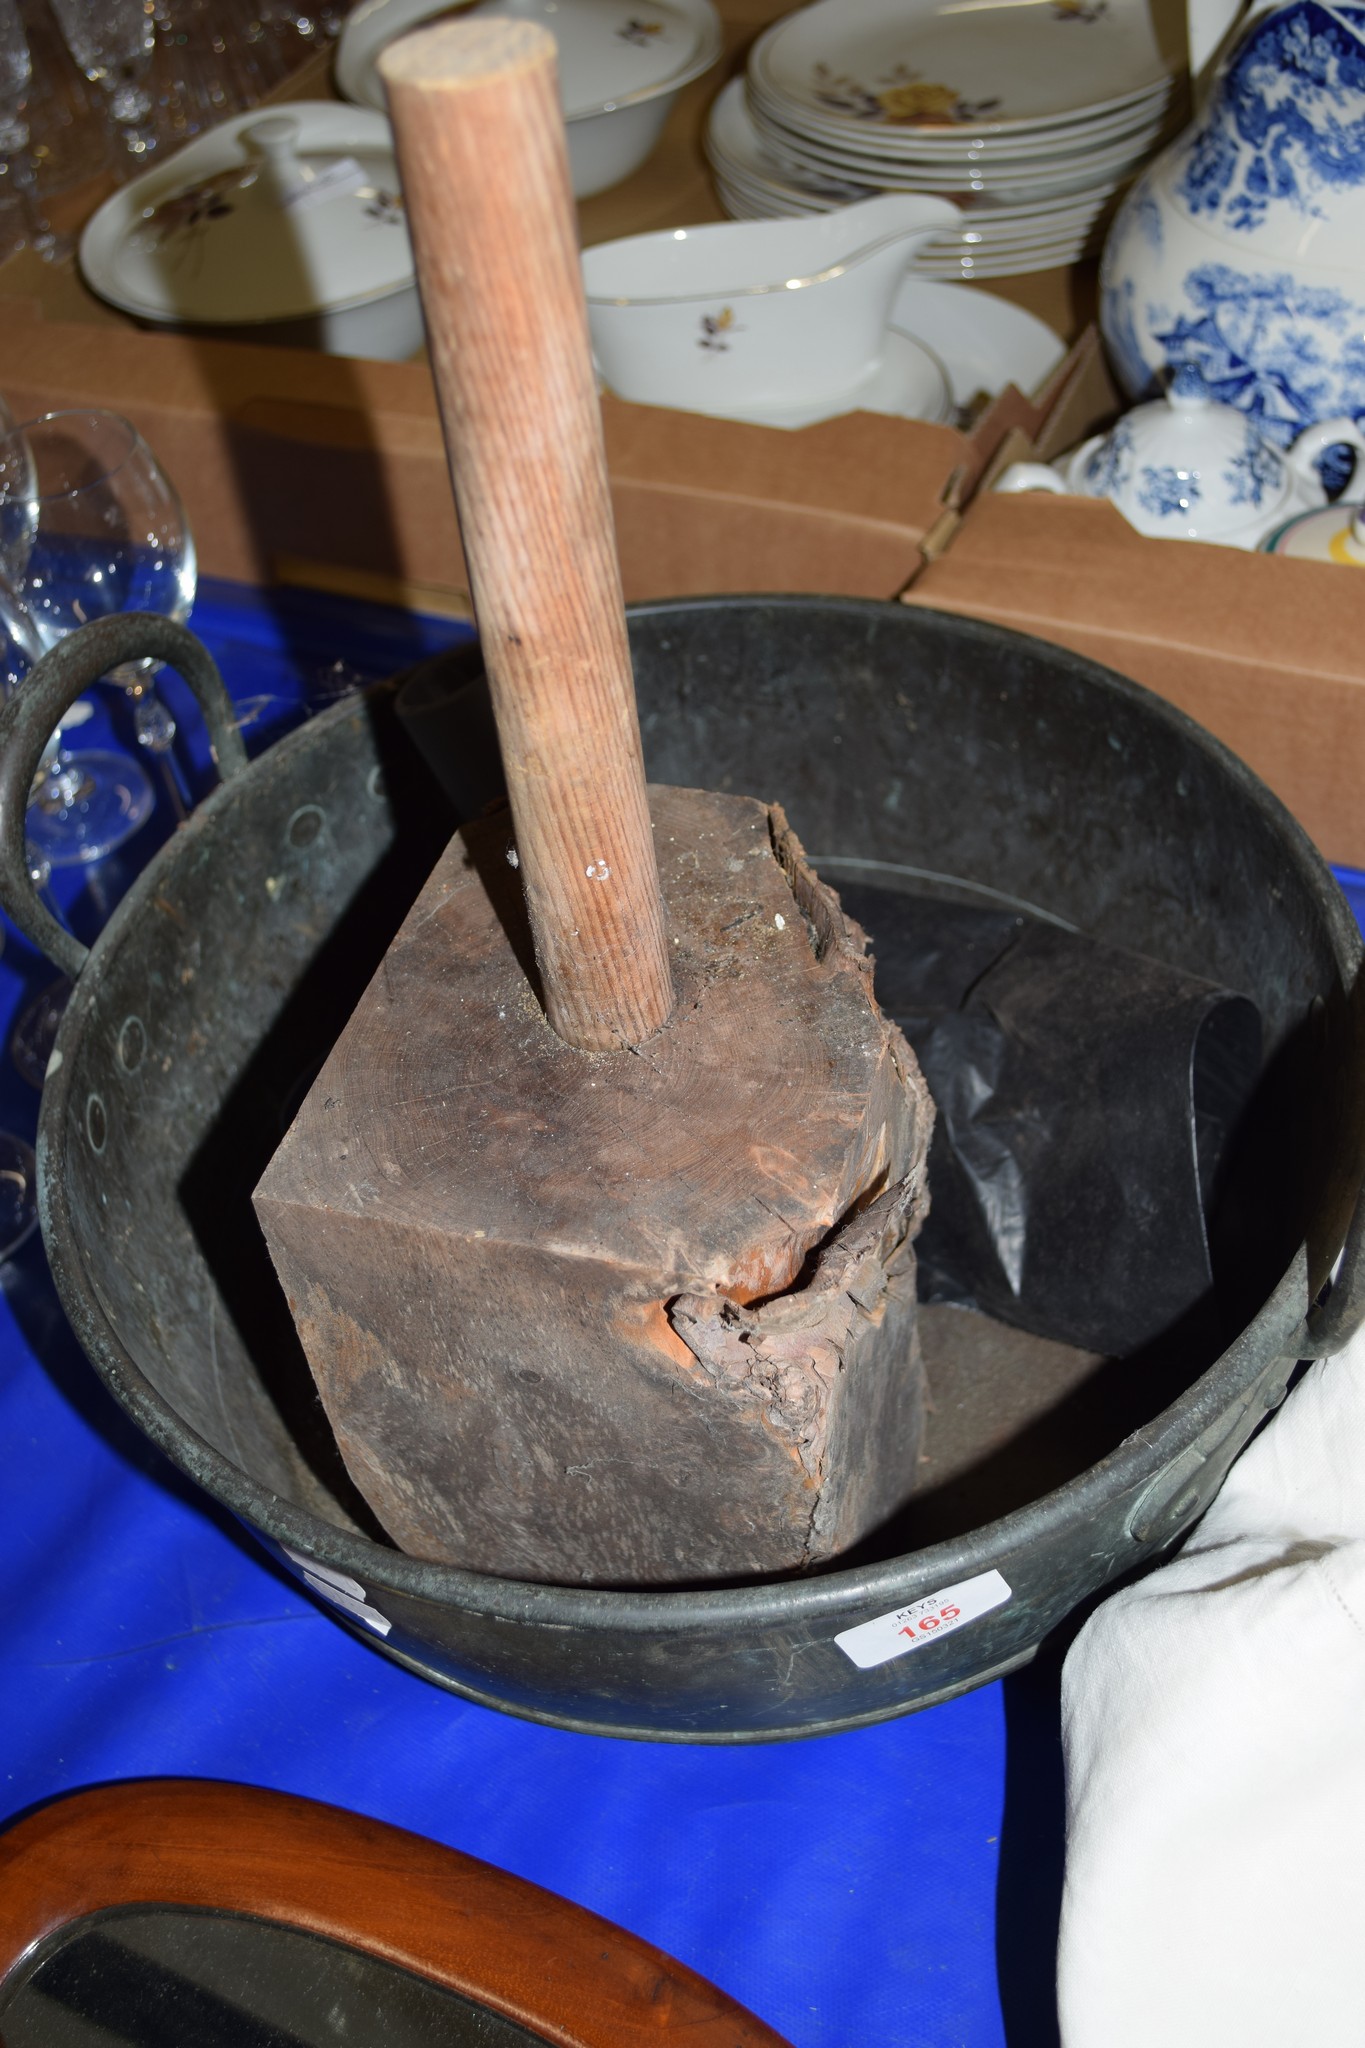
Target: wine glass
(112, 41)
(214, 58)
(58, 787)
(20, 650)
(90, 524)
(36, 1027)
(18, 1188)
(16, 75)
(18, 1179)
(70, 140)
(18, 1193)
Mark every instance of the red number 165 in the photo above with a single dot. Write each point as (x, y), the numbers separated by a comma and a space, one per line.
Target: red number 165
(930, 1622)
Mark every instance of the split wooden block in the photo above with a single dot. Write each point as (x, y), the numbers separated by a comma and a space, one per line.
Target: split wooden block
(642, 1316)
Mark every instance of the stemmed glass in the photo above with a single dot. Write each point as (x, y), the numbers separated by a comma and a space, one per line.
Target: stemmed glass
(18, 1188)
(89, 524)
(112, 42)
(18, 1193)
(16, 74)
(35, 1029)
(323, 21)
(19, 649)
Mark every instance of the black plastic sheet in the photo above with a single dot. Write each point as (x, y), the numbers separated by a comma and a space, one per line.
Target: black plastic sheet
(1085, 1095)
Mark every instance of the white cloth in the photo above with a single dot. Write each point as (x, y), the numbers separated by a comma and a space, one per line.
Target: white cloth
(1213, 1719)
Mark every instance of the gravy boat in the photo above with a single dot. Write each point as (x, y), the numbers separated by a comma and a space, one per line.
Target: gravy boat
(754, 317)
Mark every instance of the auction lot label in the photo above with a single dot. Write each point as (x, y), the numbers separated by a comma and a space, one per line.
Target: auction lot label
(909, 1628)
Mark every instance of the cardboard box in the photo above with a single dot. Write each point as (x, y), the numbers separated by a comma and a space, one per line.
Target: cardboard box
(1267, 652)
(1264, 651)
(310, 468)
(297, 466)
(318, 469)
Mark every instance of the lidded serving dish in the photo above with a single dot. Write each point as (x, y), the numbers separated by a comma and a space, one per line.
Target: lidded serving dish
(621, 67)
(283, 226)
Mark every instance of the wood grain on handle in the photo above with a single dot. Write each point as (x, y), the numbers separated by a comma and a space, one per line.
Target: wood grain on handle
(475, 107)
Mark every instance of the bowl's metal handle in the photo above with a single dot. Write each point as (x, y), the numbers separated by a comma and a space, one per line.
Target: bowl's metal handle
(1331, 1327)
(35, 711)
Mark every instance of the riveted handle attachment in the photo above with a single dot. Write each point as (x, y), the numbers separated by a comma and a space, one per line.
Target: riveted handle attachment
(35, 711)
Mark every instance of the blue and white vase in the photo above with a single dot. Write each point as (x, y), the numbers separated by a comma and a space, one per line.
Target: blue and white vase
(1241, 251)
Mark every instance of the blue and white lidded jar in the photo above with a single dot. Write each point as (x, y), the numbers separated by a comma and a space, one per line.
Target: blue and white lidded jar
(1188, 467)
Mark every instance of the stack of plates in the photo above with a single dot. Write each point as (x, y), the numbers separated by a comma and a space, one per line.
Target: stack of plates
(1031, 117)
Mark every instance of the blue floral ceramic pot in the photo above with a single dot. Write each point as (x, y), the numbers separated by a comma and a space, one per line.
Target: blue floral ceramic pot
(1186, 467)
(1241, 251)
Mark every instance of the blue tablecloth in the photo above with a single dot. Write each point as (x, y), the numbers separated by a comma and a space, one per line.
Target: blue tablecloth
(896, 1887)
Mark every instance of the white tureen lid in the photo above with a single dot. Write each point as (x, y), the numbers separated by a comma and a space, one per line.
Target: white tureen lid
(272, 216)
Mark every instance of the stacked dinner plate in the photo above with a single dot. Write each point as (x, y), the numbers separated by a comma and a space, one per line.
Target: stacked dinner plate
(1031, 117)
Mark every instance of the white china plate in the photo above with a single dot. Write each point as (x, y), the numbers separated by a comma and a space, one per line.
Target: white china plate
(1012, 262)
(969, 191)
(739, 154)
(981, 211)
(1018, 266)
(933, 63)
(1053, 180)
(931, 146)
(977, 228)
(909, 383)
(963, 265)
(655, 46)
(979, 231)
(1023, 174)
(984, 343)
(955, 262)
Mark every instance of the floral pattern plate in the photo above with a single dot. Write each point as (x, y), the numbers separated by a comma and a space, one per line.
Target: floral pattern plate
(993, 239)
(1019, 176)
(903, 69)
(745, 153)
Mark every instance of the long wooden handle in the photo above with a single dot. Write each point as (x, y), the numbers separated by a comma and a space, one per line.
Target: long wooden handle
(475, 107)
